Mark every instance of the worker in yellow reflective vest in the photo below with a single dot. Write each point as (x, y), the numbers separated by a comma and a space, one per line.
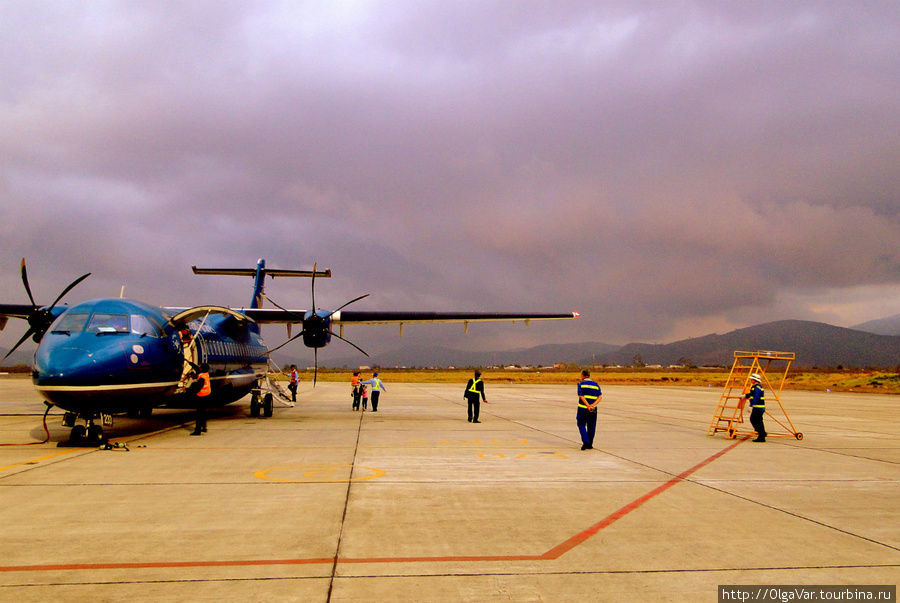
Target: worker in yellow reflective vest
(589, 396)
(757, 397)
(377, 386)
(474, 395)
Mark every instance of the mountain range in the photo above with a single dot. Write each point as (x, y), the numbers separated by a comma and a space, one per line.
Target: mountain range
(814, 343)
(434, 356)
(882, 326)
(871, 344)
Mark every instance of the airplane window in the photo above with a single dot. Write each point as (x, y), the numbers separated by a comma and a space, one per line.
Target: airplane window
(142, 325)
(69, 323)
(108, 323)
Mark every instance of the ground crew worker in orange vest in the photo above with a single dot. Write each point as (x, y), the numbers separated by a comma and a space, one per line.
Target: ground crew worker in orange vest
(202, 396)
(356, 390)
(295, 381)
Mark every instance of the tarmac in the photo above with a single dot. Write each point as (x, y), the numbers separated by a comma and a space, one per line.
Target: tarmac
(323, 504)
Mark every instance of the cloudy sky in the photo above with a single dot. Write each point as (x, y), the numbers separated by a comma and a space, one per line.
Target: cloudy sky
(668, 169)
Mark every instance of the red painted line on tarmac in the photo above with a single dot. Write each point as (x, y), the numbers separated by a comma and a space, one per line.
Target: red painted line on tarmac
(162, 564)
(574, 541)
(550, 555)
(443, 559)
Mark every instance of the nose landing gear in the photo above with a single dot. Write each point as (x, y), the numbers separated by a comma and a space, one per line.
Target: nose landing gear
(88, 435)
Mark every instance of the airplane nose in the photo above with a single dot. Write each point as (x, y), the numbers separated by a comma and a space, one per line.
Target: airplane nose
(72, 362)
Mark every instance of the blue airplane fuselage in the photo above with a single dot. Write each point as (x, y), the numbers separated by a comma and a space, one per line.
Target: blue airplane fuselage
(115, 356)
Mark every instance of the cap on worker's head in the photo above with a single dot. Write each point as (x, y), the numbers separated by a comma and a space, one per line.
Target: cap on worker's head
(374, 374)
(756, 377)
(478, 373)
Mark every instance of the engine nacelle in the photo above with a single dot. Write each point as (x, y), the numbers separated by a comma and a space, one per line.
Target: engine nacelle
(317, 329)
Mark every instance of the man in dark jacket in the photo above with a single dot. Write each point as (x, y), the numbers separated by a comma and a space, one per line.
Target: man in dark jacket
(757, 398)
(474, 395)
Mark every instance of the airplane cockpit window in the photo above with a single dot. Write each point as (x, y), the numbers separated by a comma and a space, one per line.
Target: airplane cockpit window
(143, 325)
(108, 323)
(69, 323)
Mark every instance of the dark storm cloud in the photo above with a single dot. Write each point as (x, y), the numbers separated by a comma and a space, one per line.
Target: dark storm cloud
(665, 168)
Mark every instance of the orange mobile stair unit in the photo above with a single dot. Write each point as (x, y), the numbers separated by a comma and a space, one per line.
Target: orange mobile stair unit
(773, 368)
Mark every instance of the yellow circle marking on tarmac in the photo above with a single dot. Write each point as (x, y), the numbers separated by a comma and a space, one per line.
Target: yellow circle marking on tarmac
(318, 473)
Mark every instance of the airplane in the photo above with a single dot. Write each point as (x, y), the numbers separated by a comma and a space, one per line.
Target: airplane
(114, 356)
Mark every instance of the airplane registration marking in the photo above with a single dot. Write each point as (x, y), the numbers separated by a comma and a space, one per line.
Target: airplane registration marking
(320, 473)
(550, 555)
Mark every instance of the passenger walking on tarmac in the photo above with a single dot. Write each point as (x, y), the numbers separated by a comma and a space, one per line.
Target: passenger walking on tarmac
(202, 389)
(365, 395)
(355, 391)
(757, 398)
(589, 396)
(295, 381)
(377, 386)
(474, 394)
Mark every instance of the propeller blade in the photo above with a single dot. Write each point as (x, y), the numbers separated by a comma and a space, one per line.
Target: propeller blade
(300, 334)
(314, 322)
(27, 334)
(69, 288)
(314, 287)
(25, 282)
(283, 309)
(348, 303)
(351, 343)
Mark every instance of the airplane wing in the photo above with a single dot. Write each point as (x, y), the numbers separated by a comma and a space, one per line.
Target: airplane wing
(8, 311)
(344, 317)
(269, 272)
(382, 318)
(16, 310)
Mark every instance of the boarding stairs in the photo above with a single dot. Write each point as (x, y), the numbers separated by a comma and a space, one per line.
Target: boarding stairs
(773, 368)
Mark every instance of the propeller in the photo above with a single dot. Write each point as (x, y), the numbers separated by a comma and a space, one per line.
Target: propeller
(40, 319)
(315, 329)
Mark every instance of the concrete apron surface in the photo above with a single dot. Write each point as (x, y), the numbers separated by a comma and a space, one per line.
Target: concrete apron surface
(413, 503)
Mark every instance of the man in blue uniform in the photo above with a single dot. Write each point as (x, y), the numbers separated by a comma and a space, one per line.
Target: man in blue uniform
(377, 386)
(589, 396)
(757, 398)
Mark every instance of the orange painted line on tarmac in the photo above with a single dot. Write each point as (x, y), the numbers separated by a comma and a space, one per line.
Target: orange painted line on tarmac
(443, 559)
(574, 541)
(161, 564)
(37, 460)
(550, 555)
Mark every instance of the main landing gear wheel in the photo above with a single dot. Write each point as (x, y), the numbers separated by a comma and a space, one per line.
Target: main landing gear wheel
(85, 436)
(95, 434)
(267, 406)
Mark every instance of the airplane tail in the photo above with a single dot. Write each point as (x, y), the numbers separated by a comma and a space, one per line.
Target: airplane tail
(259, 277)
